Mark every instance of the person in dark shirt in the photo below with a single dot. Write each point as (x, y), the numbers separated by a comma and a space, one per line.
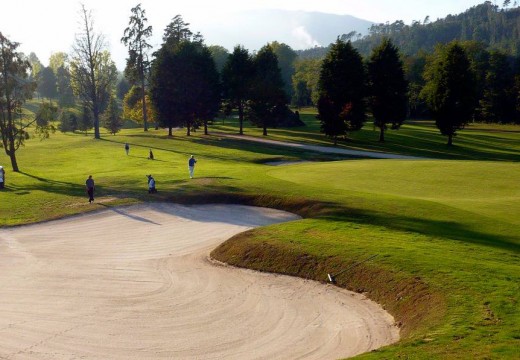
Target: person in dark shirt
(90, 188)
(191, 165)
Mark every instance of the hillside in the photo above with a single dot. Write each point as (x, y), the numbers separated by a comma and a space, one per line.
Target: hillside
(487, 23)
(298, 29)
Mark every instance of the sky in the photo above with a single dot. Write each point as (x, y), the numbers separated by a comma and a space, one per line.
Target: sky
(48, 26)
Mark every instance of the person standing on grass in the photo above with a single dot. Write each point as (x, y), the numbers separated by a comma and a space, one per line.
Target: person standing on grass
(127, 148)
(151, 185)
(191, 165)
(90, 188)
(2, 177)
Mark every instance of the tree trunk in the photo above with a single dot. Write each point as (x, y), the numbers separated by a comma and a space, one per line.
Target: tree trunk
(96, 122)
(241, 116)
(143, 98)
(170, 131)
(450, 139)
(14, 163)
(265, 130)
(382, 134)
(205, 127)
(188, 128)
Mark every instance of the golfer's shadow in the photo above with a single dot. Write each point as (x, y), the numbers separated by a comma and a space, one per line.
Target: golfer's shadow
(131, 216)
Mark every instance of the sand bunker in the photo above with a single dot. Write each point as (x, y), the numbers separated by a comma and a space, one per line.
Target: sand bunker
(136, 283)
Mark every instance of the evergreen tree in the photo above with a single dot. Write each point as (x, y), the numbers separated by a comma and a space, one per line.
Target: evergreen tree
(220, 56)
(123, 86)
(267, 99)
(237, 79)
(137, 64)
(65, 92)
(387, 87)
(68, 121)
(450, 89)
(498, 101)
(286, 57)
(341, 106)
(184, 85)
(112, 117)
(47, 83)
(86, 121)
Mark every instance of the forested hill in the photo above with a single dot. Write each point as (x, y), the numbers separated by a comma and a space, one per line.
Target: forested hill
(487, 23)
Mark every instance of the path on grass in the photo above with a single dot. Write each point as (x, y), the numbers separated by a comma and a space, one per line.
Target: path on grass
(136, 283)
(323, 149)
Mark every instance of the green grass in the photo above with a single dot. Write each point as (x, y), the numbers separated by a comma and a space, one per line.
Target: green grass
(417, 138)
(446, 232)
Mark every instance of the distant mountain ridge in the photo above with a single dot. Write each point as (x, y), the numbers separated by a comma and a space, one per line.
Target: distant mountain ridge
(298, 29)
(485, 23)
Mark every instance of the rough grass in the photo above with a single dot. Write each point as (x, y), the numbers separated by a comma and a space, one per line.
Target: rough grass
(446, 233)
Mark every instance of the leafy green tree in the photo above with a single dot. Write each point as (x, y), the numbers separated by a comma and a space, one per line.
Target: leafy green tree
(387, 87)
(15, 89)
(136, 37)
(112, 117)
(220, 56)
(47, 84)
(64, 84)
(498, 101)
(132, 107)
(237, 79)
(267, 97)
(341, 105)
(93, 72)
(57, 60)
(122, 88)
(308, 72)
(86, 121)
(414, 69)
(177, 31)
(450, 89)
(286, 57)
(184, 85)
(68, 121)
(302, 95)
(36, 66)
(59, 63)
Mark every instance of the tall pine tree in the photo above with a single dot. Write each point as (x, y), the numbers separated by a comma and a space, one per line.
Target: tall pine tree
(387, 87)
(341, 105)
(450, 89)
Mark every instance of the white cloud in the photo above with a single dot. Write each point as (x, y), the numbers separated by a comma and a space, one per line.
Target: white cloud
(303, 40)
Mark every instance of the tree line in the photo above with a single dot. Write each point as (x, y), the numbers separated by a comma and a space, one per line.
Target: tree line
(186, 83)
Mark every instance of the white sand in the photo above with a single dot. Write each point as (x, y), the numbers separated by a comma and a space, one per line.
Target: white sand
(136, 283)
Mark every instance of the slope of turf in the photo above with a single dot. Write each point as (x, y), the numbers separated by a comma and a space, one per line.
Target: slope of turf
(445, 232)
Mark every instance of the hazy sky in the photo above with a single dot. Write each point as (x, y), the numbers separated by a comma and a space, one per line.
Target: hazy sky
(47, 26)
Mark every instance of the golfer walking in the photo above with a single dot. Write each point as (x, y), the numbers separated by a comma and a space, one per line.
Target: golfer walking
(90, 188)
(191, 165)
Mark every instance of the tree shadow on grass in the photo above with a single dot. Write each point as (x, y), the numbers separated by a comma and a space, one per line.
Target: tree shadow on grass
(440, 229)
(66, 188)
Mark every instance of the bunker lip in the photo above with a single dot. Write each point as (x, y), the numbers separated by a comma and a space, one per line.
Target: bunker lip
(92, 285)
